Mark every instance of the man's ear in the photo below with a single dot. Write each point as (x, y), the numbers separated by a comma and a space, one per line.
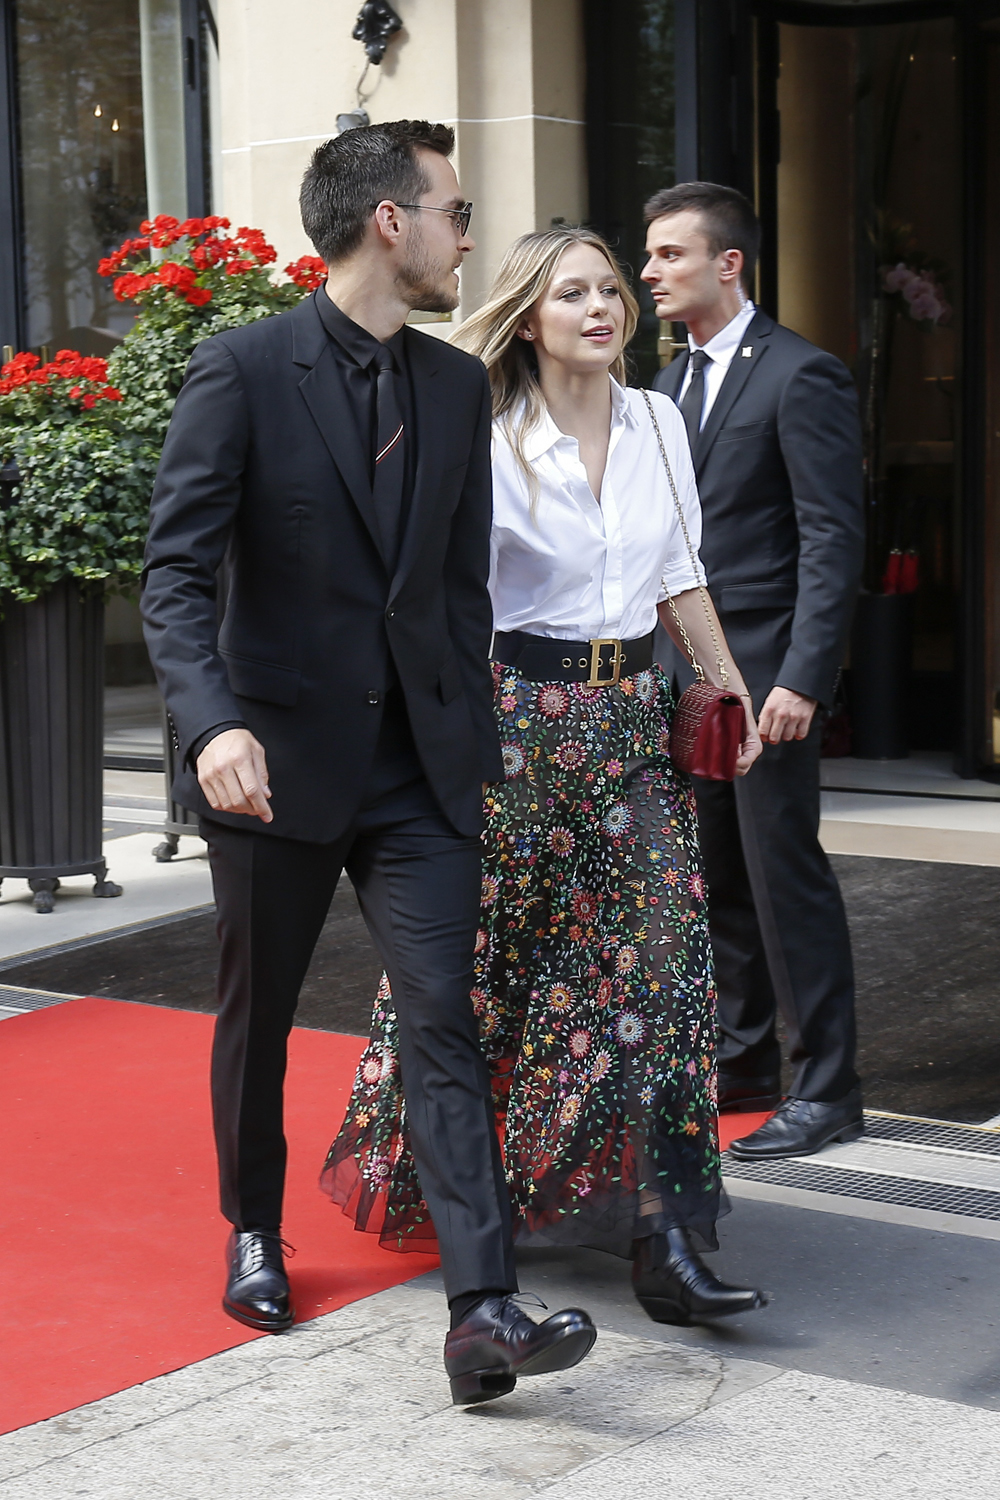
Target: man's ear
(388, 222)
(732, 265)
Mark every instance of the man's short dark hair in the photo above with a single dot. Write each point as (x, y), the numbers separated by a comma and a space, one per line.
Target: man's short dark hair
(727, 218)
(351, 174)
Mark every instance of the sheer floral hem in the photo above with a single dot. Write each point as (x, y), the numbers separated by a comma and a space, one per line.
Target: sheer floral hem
(593, 989)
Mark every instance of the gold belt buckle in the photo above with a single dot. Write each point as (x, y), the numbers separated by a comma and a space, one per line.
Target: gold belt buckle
(595, 679)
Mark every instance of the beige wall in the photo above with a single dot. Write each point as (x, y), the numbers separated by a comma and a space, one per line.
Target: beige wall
(509, 74)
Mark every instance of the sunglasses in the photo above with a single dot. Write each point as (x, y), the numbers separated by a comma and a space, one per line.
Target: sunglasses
(460, 217)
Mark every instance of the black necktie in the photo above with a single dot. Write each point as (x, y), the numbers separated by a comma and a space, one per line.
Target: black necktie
(694, 396)
(390, 463)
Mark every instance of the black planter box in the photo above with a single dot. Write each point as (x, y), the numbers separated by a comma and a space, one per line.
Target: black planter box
(52, 741)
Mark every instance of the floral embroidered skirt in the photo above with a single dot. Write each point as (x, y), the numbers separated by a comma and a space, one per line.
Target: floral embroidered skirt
(593, 988)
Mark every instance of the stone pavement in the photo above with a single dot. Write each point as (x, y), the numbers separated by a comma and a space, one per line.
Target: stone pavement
(133, 801)
(916, 808)
(354, 1406)
(875, 1373)
(149, 893)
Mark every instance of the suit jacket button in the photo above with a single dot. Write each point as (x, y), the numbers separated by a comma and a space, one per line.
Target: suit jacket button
(374, 696)
(390, 614)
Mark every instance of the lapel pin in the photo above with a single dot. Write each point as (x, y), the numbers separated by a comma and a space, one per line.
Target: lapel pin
(747, 351)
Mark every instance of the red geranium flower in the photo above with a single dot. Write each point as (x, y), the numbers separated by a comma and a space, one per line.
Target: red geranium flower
(308, 272)
(173, 275)
(88, 374)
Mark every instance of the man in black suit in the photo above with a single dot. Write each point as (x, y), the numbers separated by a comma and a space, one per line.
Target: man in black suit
(775, 437)
(337, 464)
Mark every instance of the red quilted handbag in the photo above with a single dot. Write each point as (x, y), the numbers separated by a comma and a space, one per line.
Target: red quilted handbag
(709, 722)
(707, 732)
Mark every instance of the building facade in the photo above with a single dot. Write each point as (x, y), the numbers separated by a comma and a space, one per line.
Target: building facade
(866, 132)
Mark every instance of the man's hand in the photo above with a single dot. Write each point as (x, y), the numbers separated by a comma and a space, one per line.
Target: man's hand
(785, 716)
(232, 772)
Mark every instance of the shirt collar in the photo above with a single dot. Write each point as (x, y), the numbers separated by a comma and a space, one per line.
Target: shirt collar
(357, 343)
(723, 345)
(546, 434)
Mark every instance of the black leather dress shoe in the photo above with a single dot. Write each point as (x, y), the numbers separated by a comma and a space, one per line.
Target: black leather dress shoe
(800, 1127)
(673, 1284)
(497, 1342)
(748, 1096)
(257, 1291)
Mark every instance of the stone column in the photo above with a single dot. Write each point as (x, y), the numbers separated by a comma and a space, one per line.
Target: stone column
(508, 74)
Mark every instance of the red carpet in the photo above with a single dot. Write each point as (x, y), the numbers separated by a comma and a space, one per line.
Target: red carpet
(733, 1126)
(112, 1243)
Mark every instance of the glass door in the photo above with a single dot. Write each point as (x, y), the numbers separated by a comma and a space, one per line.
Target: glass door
(870, 249)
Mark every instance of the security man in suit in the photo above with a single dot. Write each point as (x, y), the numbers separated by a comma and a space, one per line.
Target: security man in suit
(338, 462)
(774, 431)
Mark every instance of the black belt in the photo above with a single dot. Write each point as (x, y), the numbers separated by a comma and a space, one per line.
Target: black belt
(598, 663)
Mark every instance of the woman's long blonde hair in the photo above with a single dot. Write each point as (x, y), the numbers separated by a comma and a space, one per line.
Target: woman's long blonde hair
(491, 333)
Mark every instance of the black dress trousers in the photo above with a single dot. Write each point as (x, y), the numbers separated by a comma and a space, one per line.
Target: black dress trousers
(418, 883)
(778, 926)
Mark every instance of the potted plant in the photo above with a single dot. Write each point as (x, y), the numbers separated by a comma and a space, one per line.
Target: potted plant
(190, 279)
(79, 443)
(74, 488)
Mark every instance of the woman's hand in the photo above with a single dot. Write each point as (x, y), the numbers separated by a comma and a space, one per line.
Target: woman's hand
(751, 747)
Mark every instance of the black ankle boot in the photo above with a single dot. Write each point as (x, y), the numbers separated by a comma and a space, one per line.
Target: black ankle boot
(673, 1284)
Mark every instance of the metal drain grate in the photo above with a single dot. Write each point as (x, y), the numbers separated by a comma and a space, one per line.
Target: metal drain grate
(911, 1192)
(916, 1163)
(907, 1191)
(16, 999)
(915, 1132)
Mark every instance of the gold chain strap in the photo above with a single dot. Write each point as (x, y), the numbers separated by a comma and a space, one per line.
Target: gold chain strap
(720, 663)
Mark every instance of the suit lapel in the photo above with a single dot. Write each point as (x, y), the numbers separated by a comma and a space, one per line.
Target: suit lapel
(326, 397)
(430, 419)
(741, 367)
(672, 375)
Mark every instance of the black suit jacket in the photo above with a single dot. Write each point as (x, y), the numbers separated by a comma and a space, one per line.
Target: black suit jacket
(778, 464)
(263, 468)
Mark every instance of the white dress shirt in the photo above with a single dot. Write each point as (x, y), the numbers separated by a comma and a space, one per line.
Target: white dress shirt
(720, 350)
(578, 569)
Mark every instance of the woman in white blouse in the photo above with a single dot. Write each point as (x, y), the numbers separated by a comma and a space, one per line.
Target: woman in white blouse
(594, 986)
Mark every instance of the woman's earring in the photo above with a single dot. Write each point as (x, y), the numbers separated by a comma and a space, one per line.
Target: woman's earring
(528, 334)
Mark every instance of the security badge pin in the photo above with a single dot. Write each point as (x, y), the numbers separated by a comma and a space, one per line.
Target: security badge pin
(747, 351)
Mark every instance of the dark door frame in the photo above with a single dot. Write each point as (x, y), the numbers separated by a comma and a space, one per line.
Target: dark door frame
(11, 266)
(198, 33)
(714, 92)
(974, 706)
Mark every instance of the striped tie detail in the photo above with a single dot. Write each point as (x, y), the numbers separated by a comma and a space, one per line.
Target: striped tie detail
(389, 469)
(397, 435)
